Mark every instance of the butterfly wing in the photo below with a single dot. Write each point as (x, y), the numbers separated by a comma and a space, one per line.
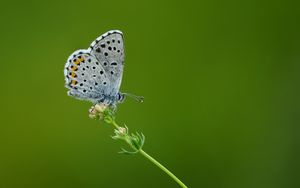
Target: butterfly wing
(85, 78)
(109, 50)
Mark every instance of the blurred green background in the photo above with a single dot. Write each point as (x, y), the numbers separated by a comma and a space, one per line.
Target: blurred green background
(220, 81)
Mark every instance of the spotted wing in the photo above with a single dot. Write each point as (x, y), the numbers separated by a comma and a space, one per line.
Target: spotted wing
(109, 50)
(85, 78)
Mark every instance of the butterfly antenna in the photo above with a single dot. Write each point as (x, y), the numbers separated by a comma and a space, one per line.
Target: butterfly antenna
(137, 98)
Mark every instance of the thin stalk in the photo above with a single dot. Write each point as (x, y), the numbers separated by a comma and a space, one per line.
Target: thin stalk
(142, 152)
(115, 124)
(162, 168)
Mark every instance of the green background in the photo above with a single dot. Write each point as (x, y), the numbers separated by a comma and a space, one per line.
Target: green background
(220, 81)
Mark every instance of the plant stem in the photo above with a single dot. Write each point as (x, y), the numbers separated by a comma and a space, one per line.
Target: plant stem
(115, 124)
(162, 168)
(142, 152)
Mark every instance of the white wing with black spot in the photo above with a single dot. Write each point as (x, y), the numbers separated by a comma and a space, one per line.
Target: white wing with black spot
(109, 50)
(95, 74)
(85, 77)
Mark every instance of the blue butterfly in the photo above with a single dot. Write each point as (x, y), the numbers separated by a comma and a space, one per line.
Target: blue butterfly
(95, 74)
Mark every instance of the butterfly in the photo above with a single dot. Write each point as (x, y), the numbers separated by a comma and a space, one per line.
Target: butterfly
(95, 74)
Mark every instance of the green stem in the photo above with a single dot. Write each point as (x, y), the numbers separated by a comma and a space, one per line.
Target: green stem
(162, 168)
(115, 124)
(142, 152)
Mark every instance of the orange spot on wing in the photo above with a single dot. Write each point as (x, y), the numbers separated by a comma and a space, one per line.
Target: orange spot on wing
(77, 62)
(81, 59)
(74, 68)
(74, 82)
(73, 75)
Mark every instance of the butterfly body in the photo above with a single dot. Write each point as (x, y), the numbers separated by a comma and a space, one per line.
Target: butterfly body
(95, 74)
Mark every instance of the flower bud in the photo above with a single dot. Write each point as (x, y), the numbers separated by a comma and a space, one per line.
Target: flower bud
(122, 130)
(92, 116)
(100, 107)
(92, 110)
